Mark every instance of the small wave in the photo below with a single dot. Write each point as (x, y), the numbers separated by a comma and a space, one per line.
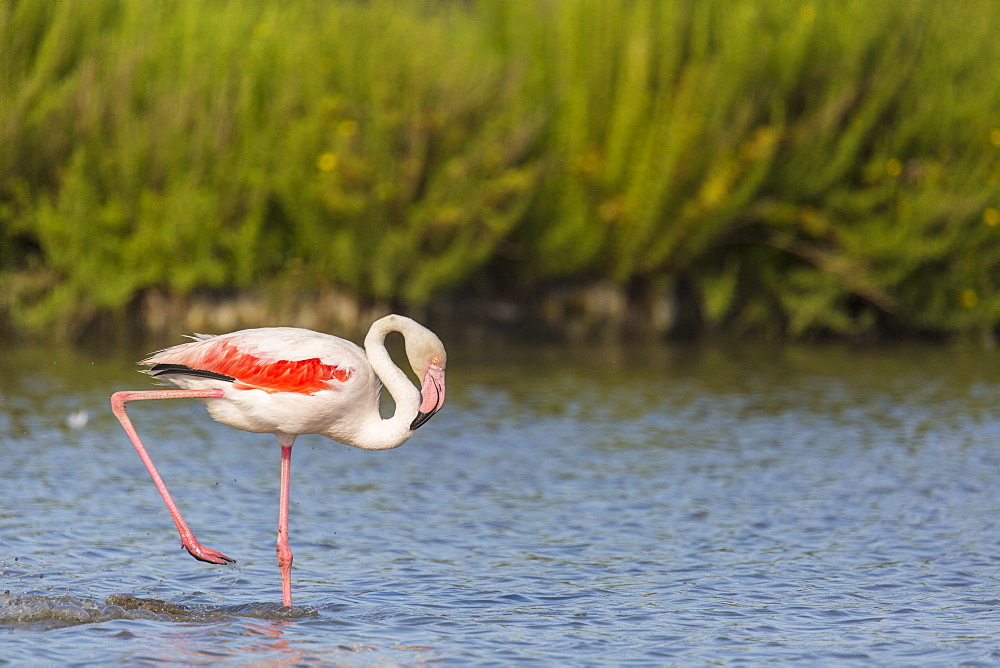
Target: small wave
(40, 612)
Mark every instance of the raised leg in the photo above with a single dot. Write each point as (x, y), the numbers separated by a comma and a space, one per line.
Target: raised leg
(118, 401)
(285, 552)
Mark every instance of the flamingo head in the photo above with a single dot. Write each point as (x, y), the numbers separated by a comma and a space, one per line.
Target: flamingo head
(427, 356)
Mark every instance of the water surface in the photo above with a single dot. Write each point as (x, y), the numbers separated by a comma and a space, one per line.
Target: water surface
(653, 506)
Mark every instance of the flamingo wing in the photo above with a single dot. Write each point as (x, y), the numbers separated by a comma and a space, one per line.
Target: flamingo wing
(253, 360)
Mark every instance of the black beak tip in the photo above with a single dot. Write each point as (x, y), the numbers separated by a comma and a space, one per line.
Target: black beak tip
(420, 420)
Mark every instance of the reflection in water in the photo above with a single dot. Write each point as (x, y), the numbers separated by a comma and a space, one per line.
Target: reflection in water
(653, 505)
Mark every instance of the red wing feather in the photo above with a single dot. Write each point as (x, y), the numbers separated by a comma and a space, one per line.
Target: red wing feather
(252, 373)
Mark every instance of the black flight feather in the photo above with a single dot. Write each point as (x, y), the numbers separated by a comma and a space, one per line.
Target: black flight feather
(184, 370)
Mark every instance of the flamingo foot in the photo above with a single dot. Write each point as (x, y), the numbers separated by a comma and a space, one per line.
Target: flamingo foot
(206, 554)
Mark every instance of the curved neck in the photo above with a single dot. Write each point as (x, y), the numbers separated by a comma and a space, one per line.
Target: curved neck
(382, 434)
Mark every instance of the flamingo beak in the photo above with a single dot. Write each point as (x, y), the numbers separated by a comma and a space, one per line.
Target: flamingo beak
(431, 396)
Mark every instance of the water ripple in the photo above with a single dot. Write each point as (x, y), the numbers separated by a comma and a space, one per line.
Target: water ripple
(705, 507)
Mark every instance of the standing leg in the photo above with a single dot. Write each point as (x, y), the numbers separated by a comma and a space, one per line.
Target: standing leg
(285, 552)
(118, 401)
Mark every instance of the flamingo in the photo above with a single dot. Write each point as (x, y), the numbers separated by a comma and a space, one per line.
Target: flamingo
(289, 381)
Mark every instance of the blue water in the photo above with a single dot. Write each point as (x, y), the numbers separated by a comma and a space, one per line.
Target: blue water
(655, 506)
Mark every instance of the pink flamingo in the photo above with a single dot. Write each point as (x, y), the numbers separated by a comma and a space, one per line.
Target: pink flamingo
(288, 381)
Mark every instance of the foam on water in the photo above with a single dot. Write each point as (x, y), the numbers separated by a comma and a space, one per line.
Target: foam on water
(41, 612)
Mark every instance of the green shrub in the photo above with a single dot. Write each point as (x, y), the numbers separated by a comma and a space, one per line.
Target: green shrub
(205, 145)
(805, 167)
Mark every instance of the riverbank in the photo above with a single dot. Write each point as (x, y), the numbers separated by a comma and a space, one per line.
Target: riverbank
(573, 314)
(599, 312)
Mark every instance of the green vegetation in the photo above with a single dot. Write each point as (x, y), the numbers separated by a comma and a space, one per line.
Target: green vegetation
(800, 168)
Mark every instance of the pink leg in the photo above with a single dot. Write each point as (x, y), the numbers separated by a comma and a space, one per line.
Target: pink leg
(285, 552)
(118, 401)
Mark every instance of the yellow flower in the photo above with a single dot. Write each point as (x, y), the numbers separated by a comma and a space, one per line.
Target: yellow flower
(326, 162)
(347, 128)
(893, 167)
(968, 298)
(991, 217)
